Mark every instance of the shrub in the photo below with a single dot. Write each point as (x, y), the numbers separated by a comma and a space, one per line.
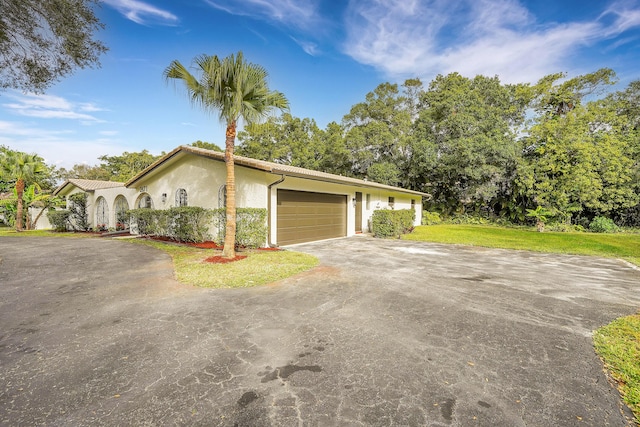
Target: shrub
(431, 218)
(59, 220)
(251, 226)
(391, 223)
(78, 212)
(192, 224)
(564, 227)
(601, 224)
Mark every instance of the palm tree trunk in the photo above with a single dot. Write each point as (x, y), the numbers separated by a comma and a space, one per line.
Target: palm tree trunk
(19, 210)
(228, 250)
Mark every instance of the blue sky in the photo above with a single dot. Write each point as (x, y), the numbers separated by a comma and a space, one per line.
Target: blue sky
(324, 55)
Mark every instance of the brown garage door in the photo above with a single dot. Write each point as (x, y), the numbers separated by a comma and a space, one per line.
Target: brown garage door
(305, 217)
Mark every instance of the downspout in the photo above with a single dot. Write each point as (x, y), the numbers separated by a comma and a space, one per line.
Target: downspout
(271, 245)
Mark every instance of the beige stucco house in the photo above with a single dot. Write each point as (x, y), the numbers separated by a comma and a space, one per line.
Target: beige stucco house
(303, 205)
(105, 200)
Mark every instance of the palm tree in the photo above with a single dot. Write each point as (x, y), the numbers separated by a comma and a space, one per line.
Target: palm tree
(22, 168)
(237, 90)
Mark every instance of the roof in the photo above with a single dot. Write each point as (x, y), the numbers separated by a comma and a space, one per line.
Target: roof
(87, 185)
(270, 167)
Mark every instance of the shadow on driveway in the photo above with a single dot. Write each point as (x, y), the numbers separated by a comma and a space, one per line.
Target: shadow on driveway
(383, 332)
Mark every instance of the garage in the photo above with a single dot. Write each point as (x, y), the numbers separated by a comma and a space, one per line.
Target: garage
(305, 216)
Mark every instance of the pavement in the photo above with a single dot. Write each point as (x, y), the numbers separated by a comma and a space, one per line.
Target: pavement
(97, 332)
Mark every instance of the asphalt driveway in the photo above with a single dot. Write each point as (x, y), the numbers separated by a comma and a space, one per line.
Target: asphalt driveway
(384, 332)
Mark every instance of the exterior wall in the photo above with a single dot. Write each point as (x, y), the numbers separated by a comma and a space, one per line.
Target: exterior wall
(43, 221)
(378, 199)
(202, 179)
(110, 195)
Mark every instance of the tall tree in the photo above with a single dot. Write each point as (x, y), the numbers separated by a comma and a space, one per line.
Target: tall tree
(376, 132)
(464, 144)
(42, 41)
(24, 169)
(237, 90)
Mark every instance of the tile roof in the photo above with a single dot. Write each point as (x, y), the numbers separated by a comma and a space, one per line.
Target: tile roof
(88, 184)
(270, 167)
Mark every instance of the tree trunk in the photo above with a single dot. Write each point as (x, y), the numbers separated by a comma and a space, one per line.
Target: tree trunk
(19, 210)
(35, 221)
(229, 251)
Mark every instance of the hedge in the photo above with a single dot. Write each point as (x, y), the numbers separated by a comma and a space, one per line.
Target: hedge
(59, 220)
(192, 224)
(392, 223)
(184, 223)
(251, 226)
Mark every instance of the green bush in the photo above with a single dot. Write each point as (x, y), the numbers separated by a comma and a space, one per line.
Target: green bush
(392, 223)
(601, 224)
(192, 224)
(79, 213)
(564, 227)
(431, 218)
(251, 226)
(188, 223)
(59, 220)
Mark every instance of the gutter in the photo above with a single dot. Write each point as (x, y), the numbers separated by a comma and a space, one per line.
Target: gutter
(279, 181)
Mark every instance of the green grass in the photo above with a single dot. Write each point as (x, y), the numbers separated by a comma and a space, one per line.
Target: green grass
(625, 246)
(259, 268)
(618, 344)
(11, 232)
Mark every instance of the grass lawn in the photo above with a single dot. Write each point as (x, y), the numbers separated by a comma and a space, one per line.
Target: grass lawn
(618, 343)
(625, 246)
(259, 268)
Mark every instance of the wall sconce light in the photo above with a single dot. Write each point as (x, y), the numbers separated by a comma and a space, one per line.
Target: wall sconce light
(164, 197)
(353, 200)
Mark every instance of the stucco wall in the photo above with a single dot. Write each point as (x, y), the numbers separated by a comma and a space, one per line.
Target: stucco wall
(202, 179)
(378, 199)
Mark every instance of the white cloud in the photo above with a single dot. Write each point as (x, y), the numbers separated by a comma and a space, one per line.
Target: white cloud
(293, 13)
(490, 37)
(143, 13)
(309, 48)
(51, 107)
(61, 148)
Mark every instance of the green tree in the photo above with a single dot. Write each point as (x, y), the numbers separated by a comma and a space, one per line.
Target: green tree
(286, 140)
(23, 169)
(237, 90)
(42, 41)
(464, 144)
(377, 130)
(206, 145)
(581, 162)
(83, 171)
(127, 165)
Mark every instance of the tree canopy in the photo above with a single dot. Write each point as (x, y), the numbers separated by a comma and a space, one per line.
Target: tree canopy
(42, 41)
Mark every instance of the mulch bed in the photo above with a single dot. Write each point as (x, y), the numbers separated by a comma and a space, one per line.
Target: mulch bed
(218, 259)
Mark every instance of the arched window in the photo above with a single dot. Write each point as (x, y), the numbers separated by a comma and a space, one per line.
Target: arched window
(222, 196)
(145, 201)
(181, 197)
(121, 206)
(102, 214)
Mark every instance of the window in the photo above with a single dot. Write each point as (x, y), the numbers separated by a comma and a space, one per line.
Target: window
(145, 202)
(121, 206)
(181, 197)
(368, 201)
(222, 196)
(392, 202)
(102, 214)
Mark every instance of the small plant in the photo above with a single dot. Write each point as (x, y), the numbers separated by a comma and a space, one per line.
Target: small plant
(601, 224)
(540, 215)
(59, 220)
(431, 218)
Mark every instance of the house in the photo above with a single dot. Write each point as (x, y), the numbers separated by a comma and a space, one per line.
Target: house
(303, 205)
(107, 201)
